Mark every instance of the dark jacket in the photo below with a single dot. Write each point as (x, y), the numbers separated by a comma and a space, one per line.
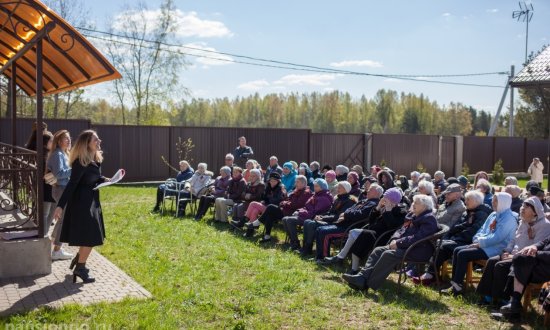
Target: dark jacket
(83, 218)
(381, 222)
(185, 175)
(464, 229)
(296, 200)
(417, 228)
(235, 189)
(270, 170)
(516, 204)
(343, 177)
(355, 189)
(317, 204)
(359, 211)
(316, 174)
(220, 186)
(340, 205)
(242, 155)
(273, 195)
(253, 192)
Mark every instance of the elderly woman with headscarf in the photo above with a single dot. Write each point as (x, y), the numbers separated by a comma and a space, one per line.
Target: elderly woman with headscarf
(353, 180)
(495, 234)
(253, 192)
(217, 190)
(319, 203)
(533, 228)
(289, 176)
(330, 177)
(359, 170)
(341, 172)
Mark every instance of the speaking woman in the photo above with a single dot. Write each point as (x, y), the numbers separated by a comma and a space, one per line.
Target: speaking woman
(83, 219)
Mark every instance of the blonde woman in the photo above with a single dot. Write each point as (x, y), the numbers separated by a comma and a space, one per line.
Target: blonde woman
(83, 219)
(58, 164)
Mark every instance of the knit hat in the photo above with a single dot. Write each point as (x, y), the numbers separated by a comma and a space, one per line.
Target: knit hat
(226, 169)
(463, 181)
(342, 168)
(393, 195)
(346, 185)
(321, 183)
(330, 174)
(288, 165)
(354, 175)
(452, 180)
(537, 205)
(274, 175)
(357, 168)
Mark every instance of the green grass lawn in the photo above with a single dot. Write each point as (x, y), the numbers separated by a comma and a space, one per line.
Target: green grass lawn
(202, 275)
(523, 182)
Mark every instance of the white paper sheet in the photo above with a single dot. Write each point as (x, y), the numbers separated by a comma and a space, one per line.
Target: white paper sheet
(116, 178)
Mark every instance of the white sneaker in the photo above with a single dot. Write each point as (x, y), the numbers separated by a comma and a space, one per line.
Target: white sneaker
(61, 255)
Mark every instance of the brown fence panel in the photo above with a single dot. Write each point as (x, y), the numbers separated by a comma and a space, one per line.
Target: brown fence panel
(539, 149)
(478, 153)
(403, 152)
(336, 149)
(448, 146)
(24, 127)
(512, 152)
(137, 149)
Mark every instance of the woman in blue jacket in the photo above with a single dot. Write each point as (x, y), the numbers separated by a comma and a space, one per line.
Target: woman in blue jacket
(289, 177)
(489, 241)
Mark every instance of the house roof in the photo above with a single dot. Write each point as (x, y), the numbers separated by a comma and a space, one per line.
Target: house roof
(536, 73)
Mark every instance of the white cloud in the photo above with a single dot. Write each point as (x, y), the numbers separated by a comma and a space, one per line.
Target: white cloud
(188, 24)
(367, 63)
(211, 59)
(446, 14)
(306, 79)
(254, 85)
(393, 80)
(492, 11)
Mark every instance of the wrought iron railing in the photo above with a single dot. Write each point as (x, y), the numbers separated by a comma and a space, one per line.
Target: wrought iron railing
(18, 175)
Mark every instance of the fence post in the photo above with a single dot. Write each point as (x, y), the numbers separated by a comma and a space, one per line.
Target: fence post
(459, 154)
(439, 151)
(367, 162)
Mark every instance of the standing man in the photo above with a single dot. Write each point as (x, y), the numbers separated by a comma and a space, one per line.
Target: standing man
(535, 171)
(242, 153)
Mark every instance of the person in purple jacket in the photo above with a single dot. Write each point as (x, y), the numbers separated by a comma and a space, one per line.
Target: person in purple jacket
(319, 203)
(217, 190)
(383, 259)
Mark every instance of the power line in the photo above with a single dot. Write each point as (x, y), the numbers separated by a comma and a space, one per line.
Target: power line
(286, 65)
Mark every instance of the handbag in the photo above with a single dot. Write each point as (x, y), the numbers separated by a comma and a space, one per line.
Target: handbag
(50, 179)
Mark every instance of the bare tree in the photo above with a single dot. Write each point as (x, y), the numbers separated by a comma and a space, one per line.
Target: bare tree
(149, 72)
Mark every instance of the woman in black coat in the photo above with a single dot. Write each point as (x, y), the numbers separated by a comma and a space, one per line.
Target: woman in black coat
(83, 219)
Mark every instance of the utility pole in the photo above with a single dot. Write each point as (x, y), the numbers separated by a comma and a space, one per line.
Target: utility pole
(525, 12)
(511, 124)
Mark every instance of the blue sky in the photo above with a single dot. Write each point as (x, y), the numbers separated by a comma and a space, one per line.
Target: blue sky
(420, 38)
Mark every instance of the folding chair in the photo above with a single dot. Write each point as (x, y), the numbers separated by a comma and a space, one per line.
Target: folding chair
(170, 192)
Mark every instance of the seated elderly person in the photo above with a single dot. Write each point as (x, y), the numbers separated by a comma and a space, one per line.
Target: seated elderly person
(535, 191)
(274, 194)
(495, 234)
(510, 181)
(341, 203)
(383, 259)
(234, 194)
(426, 187)
(369, 180)
(273, 167)
(342, 172)
(353, 179)
(440, 184)
(385, 179)
(253, 193)
(451, 211)
(515, 192)
(330, 177)
(229, 161)
(289, 176)
(250, 165)
(530, 265)
(198, 186)
(359, 170)
(315, 168)
(388, 215)
(319, 203)
(217, 190)
(186, 172)
(532, 229)
(295, 201)
(460, 234)
(464, 183)
(486, 189)
(413, 185)
(303, 169)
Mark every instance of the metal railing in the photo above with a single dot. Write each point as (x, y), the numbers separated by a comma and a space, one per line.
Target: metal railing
(18, 183)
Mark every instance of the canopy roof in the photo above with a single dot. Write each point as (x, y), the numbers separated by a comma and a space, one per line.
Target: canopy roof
(69, 60)
(536, 73)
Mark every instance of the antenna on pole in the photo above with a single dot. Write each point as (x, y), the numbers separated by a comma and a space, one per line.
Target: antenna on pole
(524, 13)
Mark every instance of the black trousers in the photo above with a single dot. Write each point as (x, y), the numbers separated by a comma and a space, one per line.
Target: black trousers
(271, 215)
(532, 269)
(445, 253)
(204, 203)
(494, 280)
(364, 243)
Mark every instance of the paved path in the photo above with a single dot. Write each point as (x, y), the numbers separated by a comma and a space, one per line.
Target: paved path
(57, 288)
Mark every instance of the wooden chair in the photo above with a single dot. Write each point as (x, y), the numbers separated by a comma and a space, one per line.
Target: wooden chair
(472, 279)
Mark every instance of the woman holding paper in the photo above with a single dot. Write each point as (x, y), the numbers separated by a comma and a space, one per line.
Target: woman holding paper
(83, 219)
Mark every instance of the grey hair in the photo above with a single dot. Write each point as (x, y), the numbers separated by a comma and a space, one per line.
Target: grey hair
(475, 196)
(230, 156)
(439, 173)
(185, 162)
(378, 188)
(426, 185)
(302, 178)
(513, 180)
(425, 201)
(425, 176)
(315, 164)
(415, 174)
(484, 184)
(273, 158)
(204, 166)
